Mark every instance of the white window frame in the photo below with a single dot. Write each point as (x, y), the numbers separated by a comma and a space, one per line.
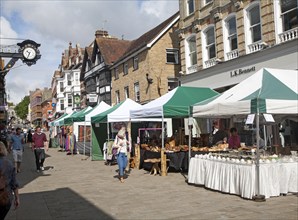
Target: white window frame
(137, 92)
(226, 37)
(69, 100)
(207, 2)
(175, 53)
(187, 7)
(247, 27)
(69, 79)
(126, 92)
(188, 53)
(279, 28)
(117, 94)
(205, 52)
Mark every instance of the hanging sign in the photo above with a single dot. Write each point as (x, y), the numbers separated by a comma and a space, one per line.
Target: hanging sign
(250, 119)
(268, 118)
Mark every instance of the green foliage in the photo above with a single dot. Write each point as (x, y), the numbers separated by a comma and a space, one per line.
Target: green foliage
(21, 109)
(10, 104)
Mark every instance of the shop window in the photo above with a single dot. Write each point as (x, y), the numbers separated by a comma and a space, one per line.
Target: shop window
(117, 94)
(137, 92)
(286, 20)
(172, 56)
(190, 6)
(230, 37)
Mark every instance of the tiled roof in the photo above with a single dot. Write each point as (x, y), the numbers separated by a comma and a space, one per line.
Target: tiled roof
(111, 49)
(149, 36)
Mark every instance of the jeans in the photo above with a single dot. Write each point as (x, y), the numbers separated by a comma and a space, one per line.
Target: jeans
(39, 158)
(122, 162)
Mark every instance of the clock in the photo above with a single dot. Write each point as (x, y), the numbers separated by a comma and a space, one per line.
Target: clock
(29, 53)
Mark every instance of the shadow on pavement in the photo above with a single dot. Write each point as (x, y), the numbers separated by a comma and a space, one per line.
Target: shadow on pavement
(61, 203)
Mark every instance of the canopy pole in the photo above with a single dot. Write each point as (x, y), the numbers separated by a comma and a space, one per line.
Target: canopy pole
(84, 137)
(189, 138)
(258, 197)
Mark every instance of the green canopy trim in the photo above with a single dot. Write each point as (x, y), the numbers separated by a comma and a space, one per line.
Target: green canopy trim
(103, 117)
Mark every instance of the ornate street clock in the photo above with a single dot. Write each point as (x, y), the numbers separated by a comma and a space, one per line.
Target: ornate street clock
(30, 51)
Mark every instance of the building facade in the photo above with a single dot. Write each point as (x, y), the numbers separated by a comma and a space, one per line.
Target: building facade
(96, 73)
(46, 106)
(223, 42)
(35, 106)
(65, 84)
(150, 66)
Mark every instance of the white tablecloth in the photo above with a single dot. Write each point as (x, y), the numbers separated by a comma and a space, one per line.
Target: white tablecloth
(240, 179)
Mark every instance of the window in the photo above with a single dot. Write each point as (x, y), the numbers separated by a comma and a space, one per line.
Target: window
(61, 86)
(208, 47)
(208, 1)
(230, 37)
(69, 100)
(126, 92)
(289, 14)
(232, 33)
(210, 43)
(116, 73)
(192, 50)
(190, 7)
(255, 23)
(62, 104)
(117, 94)
(172, 56)
(137, 92)
(125, 68)
(68, 79)
(135, 63)
(77, 78)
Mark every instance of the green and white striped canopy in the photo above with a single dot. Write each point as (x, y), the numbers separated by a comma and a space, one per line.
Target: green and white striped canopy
(272, 91)
(174, 104)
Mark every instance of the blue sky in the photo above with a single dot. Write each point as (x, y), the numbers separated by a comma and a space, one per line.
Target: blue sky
(55, 23)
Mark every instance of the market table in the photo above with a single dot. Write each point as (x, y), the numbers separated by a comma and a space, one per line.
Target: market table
(238, 177)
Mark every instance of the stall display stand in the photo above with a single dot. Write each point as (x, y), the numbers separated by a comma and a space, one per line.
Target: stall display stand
(163, 163)
(137, 156)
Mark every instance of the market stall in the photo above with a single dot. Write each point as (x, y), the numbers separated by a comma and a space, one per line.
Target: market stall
(174, 104)
(269, 91)
(100, 123)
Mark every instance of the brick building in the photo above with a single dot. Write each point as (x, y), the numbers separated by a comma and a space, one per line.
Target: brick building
(150, 66)
(35, 106)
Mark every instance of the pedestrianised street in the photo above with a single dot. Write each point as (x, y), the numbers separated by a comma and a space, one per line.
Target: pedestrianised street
(74, 187)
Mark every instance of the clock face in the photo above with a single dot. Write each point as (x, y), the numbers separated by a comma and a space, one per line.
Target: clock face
(29, 53)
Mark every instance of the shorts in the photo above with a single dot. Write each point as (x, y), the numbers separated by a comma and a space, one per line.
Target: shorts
(17, 155)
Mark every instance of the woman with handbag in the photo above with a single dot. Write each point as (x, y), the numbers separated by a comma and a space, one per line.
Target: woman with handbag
(8, 183)
(122, 145)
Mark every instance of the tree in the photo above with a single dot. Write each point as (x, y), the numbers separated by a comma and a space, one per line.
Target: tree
(21, 109)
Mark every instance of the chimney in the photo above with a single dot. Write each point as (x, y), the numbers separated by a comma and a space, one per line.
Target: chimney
(101, 33)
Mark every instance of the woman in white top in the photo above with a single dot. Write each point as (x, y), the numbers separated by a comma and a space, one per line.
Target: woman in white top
(122, 145)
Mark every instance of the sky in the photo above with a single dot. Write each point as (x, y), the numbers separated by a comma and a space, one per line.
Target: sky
(54, 24)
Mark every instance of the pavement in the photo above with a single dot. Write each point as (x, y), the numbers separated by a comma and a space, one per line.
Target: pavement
(74, 187)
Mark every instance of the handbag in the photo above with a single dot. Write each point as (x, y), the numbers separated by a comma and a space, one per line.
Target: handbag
(4, 193)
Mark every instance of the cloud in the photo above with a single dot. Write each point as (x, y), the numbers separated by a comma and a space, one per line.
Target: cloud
(54, 24)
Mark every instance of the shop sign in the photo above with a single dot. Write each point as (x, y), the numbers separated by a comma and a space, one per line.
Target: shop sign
(241, 71)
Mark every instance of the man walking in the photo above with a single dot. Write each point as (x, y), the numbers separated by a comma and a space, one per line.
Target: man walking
(38, 146)
(17, 141)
